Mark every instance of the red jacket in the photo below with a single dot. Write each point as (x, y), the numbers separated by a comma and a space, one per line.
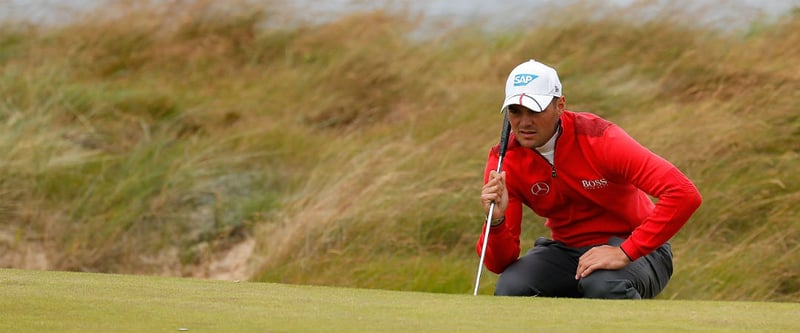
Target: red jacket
(597, 187)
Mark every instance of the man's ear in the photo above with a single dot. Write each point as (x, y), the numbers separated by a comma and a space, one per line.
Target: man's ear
(561, 104)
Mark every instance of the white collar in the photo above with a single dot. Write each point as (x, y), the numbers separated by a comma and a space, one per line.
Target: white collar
(550, 146)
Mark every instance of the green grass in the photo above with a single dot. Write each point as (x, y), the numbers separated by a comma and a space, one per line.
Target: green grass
(38, 301)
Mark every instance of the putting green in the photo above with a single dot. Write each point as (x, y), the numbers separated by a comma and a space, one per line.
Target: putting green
(39, 301)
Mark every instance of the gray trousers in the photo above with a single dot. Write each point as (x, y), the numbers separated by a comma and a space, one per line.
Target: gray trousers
(548, 270)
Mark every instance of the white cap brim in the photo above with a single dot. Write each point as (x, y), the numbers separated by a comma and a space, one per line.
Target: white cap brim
(536, 103)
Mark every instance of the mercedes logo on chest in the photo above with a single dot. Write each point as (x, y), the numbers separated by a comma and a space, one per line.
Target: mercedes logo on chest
(540, 188)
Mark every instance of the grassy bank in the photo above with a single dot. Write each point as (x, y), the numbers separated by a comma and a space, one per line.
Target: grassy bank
(182, 139)
(36, 301)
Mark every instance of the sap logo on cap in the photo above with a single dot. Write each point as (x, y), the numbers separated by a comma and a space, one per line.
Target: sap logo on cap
(523, 79)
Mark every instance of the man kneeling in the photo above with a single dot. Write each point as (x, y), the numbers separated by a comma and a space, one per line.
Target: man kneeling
(591, 181)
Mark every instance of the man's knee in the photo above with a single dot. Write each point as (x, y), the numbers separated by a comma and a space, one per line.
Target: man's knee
(597, 285)
(510, 284)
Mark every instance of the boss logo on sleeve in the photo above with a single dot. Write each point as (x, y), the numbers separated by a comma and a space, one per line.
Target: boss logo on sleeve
(594, 184)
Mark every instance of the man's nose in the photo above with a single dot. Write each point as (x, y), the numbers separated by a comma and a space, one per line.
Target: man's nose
(528, 117)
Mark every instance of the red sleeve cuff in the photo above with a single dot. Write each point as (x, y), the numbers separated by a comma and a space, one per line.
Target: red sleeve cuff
(501, 222)
(625, 253)
(632, 252)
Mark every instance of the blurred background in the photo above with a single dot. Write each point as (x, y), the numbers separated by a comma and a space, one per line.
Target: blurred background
(343, 143)
(494, 15)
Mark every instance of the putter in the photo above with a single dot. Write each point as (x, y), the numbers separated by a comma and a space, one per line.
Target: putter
(503, 146)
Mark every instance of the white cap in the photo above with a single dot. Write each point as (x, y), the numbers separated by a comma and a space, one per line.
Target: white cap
(533, 85)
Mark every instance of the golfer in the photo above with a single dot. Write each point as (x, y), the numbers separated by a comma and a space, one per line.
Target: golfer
(591, 182)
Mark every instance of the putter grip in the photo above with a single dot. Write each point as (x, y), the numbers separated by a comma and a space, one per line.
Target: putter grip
(504, 137)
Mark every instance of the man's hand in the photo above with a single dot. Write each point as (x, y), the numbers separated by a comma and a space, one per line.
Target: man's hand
(601, 257)
(495, 191)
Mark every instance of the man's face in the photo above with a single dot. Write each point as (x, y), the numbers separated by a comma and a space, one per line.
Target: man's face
(534, 129)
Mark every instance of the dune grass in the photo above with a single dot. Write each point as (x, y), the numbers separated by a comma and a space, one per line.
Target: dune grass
(37, 301)
(160, 138)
